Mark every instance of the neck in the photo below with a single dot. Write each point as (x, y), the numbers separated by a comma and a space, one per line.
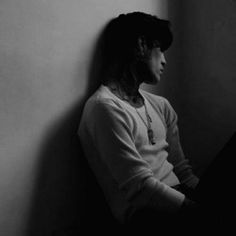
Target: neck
(133, 97)
(126, 76)
(124, 82)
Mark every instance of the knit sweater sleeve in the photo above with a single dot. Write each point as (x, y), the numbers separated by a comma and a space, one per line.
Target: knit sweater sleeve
(176, 156)
(111, 130)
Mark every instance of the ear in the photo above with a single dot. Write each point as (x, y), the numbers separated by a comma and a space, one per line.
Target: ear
(142, 46)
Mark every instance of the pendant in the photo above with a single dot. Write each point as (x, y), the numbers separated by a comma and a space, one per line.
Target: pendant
(151, 137)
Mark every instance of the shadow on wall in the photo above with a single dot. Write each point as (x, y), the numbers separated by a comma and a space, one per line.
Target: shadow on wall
(66, 197)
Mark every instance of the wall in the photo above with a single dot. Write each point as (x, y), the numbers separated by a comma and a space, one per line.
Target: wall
(201, 80)
(46, 49)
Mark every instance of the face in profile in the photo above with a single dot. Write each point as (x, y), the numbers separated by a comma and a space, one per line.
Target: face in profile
(155, 65)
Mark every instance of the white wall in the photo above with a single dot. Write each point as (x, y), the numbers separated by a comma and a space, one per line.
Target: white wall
(45, 54)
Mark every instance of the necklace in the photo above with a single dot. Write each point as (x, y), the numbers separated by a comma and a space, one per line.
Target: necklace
(132, 100)
(150, 132)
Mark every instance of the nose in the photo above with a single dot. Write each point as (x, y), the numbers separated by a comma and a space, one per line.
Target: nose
(163, 59)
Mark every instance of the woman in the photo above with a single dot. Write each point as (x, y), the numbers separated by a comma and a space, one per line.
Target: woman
(130, 136)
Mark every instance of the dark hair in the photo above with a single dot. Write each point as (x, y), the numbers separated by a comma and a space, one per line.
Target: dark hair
(122, 33)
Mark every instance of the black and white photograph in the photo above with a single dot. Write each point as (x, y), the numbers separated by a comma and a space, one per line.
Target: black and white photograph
(117, 117)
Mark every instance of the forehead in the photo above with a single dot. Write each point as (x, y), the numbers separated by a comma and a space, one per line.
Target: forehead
(156, 50)
(156, 44)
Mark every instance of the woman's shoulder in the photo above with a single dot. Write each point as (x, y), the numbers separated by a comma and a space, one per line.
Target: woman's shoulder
(103, 104)
(102, 98)
(155, 99)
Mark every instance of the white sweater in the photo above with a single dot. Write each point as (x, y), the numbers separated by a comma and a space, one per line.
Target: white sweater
(132, 172)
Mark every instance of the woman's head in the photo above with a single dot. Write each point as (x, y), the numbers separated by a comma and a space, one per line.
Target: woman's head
(124, 33)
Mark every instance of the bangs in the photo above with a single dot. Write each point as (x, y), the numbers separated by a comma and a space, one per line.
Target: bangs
(160, 35)
(122, 33)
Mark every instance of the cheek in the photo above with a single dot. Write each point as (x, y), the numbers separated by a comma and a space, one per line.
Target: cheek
(155, 64)
(156, 59)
